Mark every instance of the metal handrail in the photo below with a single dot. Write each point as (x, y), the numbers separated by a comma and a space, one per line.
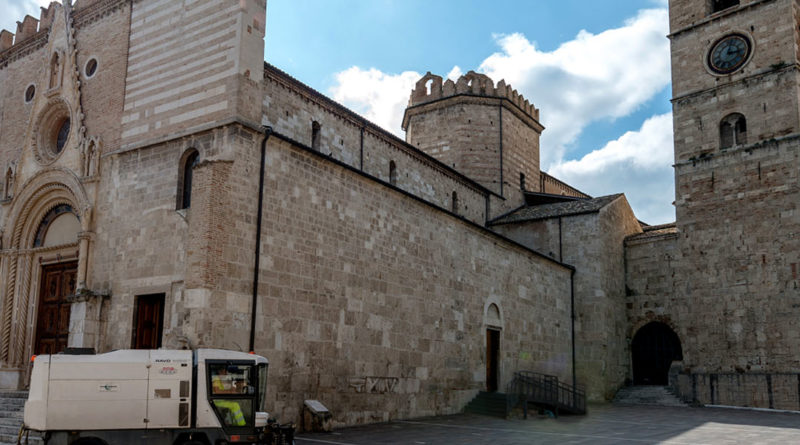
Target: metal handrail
(544, 389)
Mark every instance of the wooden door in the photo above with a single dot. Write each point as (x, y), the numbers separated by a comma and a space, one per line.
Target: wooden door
(148, 323)
(492, 353)
(52, 319)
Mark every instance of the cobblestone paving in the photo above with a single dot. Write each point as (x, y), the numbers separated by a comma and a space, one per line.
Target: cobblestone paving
(605, 424)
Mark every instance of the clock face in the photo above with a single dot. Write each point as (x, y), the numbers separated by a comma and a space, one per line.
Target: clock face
(729, 53)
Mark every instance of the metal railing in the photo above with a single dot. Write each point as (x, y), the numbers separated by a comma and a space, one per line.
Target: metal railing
(544, 390)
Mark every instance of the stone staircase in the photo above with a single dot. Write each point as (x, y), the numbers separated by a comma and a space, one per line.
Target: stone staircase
(647, 395)
(11, 405)
(488, 404)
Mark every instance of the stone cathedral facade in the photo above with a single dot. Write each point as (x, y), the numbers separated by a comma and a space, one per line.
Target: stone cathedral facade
(164, 187)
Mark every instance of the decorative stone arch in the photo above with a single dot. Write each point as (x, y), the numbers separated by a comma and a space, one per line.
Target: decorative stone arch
(55, 185)
(37, 197)
(493, 314)
(649, 318)
(654, 346)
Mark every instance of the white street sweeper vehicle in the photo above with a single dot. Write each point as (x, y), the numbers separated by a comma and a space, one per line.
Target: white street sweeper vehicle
(154, 397)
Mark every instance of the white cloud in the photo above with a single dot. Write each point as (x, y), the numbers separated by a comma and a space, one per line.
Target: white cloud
(455, 73)
(592, 77)
(379, 97)
(638, 164)
(14, 11)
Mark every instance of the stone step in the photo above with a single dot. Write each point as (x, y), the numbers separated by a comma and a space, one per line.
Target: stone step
(10, 421)
(647, 395)
(11, 415)
(488, 404)
(12, 404)
(12, 440)
(10, 437)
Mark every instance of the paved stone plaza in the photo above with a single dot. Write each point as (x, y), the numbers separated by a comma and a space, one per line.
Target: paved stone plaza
(605, 424)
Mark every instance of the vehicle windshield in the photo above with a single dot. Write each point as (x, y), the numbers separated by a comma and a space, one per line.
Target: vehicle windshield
(232, 393)
(262, 387)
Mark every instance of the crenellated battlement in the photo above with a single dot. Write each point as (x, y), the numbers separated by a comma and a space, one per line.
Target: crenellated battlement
(432, 87)
(29, 26)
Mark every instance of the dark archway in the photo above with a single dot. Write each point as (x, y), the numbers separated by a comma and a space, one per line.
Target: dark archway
(655, 346)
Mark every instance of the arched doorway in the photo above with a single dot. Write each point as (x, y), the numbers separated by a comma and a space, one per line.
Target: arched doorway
(494, 326)
(46, 250)
(59, 227)
(655, 346)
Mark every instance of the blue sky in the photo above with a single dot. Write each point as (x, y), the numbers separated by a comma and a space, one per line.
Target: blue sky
(597, 69)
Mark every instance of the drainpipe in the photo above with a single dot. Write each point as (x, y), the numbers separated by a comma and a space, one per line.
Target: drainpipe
(572, 309)
(254, 305)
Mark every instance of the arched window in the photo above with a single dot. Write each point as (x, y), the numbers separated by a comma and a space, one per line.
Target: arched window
(454, 202)
(59, 226)
(732, 131)
(719, 5)
(188, 162)
(392, 173)
(315, 131)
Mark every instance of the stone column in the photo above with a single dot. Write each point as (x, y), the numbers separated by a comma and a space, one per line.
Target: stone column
(83, 259)
(21, 325)
(84, 236)
(10, 273)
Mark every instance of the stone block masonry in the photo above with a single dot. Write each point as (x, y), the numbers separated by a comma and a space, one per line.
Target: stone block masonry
(292, 108)
(186, 63)
(369, 302)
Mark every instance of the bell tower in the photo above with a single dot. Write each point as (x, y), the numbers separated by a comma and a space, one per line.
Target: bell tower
(735, 81)
(734, 73)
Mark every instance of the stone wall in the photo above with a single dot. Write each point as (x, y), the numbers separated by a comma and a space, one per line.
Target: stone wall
(194, 256)
(339, 317)
(763, 390)
(187, 65)
(463, 135)
(291, 108)
(593, 243)
(736, 216)
(651, 263)
(363, 283)
(758, 90)
(489, 133)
